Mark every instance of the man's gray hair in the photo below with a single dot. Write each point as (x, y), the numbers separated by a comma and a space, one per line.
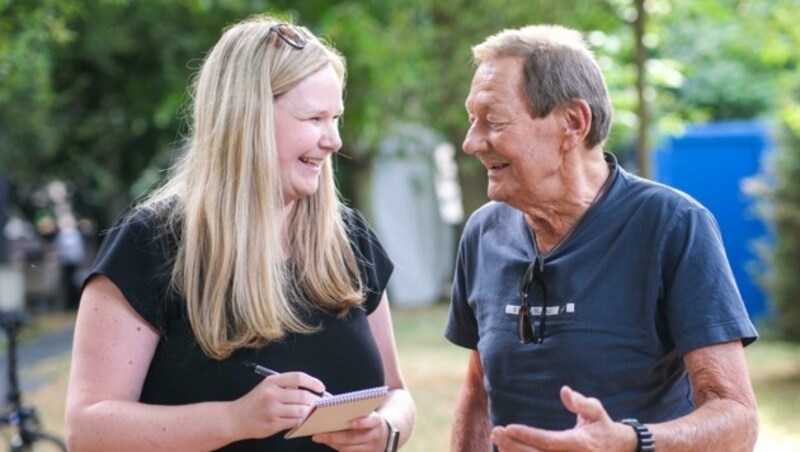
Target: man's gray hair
(558, 69)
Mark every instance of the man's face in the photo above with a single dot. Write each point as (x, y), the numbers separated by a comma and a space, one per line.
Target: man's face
(520, 153)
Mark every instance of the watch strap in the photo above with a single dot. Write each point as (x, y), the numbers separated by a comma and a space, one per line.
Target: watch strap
(393, 438)
(644, 438)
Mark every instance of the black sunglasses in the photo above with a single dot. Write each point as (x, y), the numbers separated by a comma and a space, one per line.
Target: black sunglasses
(294, 36)
(525, 323)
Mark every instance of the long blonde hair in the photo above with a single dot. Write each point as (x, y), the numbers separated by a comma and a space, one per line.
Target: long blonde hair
(241, 288)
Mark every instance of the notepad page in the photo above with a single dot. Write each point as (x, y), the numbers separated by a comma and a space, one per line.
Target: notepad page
(332, 414)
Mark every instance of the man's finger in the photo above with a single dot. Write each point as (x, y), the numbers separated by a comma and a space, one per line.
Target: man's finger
(587, 408)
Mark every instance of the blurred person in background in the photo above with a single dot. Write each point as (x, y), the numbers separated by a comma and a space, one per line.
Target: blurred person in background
(245, 254)
(69, 246)
(599, 307)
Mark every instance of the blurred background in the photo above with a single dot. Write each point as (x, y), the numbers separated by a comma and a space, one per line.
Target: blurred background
(706, 96)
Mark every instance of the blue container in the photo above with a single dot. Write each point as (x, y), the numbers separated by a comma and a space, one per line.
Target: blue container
(710, 163)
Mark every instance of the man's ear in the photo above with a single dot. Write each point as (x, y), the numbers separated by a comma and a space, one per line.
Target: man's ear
(577, 120)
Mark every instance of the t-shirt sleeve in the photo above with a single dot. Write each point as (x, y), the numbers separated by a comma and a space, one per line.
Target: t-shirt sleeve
(132, 257)
(373, 261)
(703, 303)
(462, 325)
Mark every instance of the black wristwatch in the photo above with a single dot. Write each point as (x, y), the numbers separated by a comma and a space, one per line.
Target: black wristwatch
(393, 439)
(644, 439)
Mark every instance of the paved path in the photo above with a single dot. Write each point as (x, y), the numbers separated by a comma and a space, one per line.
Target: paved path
(32, 352)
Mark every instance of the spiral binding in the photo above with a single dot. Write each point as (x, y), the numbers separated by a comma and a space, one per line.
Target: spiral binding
(354, 396)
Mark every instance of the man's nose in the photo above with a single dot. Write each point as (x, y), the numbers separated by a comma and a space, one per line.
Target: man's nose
(474, 141)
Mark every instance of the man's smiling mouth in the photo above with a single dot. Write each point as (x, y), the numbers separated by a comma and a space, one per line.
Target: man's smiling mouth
(496, 166)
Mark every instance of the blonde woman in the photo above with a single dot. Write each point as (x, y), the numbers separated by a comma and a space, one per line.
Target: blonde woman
(245, 254)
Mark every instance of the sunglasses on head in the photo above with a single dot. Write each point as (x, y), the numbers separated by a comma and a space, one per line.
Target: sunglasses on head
(526, 327)
(290, 34)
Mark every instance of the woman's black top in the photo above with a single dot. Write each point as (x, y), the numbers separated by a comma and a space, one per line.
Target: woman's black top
(136, 255)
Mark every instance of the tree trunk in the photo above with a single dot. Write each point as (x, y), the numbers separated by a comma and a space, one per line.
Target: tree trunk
(642, 138)
(5, 207)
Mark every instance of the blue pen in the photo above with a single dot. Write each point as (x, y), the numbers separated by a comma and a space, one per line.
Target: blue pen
(264, 372)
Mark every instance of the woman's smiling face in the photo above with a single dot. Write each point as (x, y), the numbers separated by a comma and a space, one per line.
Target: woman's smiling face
(307, 131)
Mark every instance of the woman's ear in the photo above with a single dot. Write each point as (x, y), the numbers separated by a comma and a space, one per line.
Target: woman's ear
(577, 116)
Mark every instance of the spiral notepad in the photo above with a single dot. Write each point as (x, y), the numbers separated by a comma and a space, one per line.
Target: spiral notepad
(330, 414)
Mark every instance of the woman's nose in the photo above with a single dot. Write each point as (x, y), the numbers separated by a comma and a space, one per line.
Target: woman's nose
(331, 140)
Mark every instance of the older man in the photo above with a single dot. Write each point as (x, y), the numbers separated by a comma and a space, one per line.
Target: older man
(600, 308)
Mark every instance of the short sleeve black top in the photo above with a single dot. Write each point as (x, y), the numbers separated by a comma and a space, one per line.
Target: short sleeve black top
(136, 255)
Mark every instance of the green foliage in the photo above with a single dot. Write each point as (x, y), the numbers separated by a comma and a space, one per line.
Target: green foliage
(30, 34)
(112, 79)
(770, 55)
(93, 91)
(460, 24)
(410, 61)
(118, 84)
(388, 49)
(730, 53)
(782, 282)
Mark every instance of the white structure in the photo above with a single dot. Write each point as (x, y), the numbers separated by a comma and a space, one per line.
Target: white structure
(12, 289)
(416, 205)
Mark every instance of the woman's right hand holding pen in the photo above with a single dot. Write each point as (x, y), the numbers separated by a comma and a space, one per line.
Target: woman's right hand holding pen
(278, 403)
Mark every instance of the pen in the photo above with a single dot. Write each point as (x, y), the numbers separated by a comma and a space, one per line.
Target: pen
(264, 372)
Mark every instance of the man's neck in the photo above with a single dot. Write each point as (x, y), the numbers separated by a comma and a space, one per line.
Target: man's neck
(555, 217)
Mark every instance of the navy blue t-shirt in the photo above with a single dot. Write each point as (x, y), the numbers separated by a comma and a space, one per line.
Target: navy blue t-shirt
(136, 257)
(642, 280)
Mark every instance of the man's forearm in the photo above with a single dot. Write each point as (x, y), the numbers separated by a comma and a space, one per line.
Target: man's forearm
(717, 425)
(727, 415)
(471, 426)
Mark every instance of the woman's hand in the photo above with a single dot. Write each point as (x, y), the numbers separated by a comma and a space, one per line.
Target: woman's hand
(278, 403)
(366, 434)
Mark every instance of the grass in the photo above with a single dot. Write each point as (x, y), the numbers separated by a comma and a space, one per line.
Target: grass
(434, 369)
(775, 371)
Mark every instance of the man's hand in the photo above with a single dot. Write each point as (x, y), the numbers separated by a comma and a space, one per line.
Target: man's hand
(593, 431)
